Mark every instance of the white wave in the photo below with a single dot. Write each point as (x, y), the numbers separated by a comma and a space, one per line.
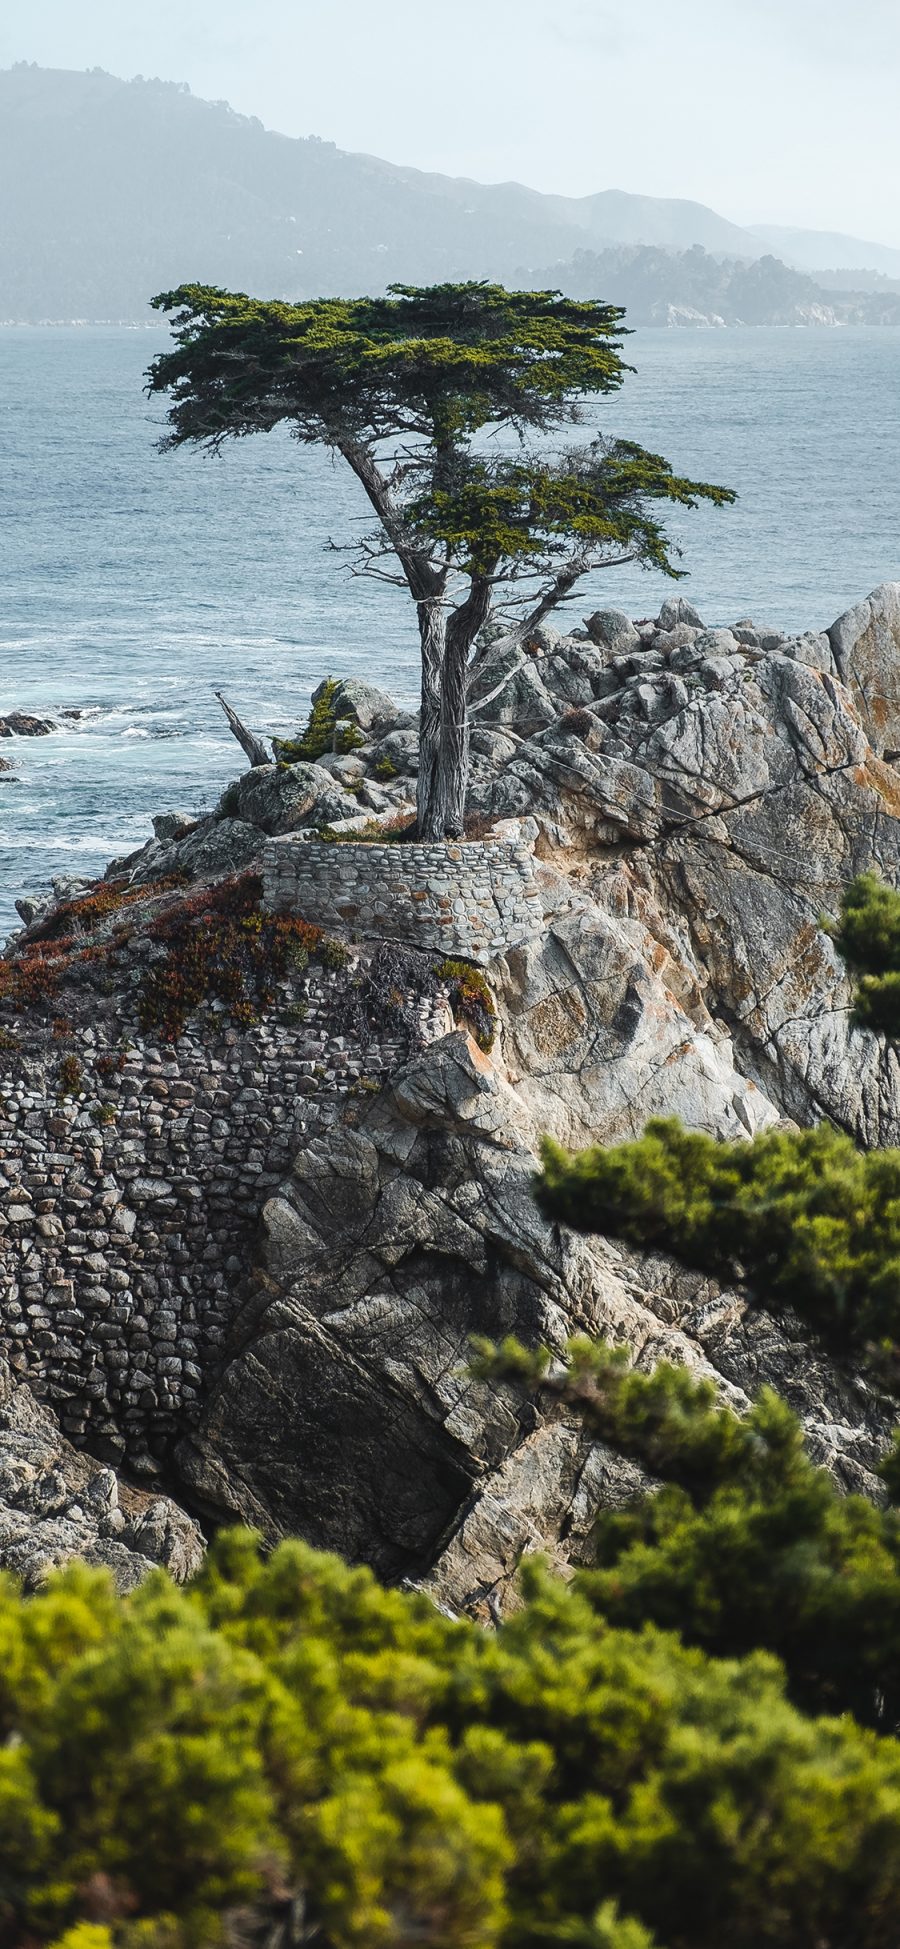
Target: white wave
(85, 843)
(50, 839)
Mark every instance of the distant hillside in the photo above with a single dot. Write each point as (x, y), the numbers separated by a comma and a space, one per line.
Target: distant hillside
(859, 281)
(113, 190)
(823, 250)
(691, 287)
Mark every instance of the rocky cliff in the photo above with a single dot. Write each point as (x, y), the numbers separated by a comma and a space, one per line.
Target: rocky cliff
(328, 1193)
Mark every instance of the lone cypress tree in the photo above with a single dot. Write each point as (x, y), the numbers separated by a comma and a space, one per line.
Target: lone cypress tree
(401, 387)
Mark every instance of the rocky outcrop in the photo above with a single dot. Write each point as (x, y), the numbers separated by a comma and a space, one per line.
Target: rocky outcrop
(57, 1503)
(363, 704)
(268, 800)
(687, 803)
(866, 647)
(704, 797)
(346, 1410)
(19, 724)
(283, 798)
(604, 1027)
(612, 630)
(712, 802)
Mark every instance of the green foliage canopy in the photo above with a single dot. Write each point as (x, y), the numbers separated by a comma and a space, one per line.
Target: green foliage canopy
(285, 1734)
(441, 361)
(748, 1544)
(434, 366)
(811, 1221)
(525, 511)
(867, 935)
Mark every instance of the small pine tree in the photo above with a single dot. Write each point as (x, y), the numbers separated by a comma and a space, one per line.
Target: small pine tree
(323, 731)
(867, 936)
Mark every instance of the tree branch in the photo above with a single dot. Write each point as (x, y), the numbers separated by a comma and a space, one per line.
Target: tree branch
(425, 583)
(249, 743)
(563, 585)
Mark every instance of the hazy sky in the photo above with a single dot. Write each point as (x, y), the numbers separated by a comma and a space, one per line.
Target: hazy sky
(777, 110)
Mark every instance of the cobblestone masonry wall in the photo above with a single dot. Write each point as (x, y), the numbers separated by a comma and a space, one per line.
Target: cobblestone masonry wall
(472, 899)
(127, 1210)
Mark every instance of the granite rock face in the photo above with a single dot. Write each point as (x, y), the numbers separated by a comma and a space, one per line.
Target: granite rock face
(363, 704)
(57, 1503)
(346, 1411)
(713, 805)
(612, 630)
(284, 798)
(210, 849)
(866, 647)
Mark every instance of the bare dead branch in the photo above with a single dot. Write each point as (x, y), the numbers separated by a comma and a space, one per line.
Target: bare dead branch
(564, 582)
(249, 743)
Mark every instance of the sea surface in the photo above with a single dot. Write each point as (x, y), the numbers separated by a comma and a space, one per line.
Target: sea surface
(134, 584)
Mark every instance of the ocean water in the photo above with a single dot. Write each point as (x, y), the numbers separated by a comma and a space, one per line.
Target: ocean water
(134, 584)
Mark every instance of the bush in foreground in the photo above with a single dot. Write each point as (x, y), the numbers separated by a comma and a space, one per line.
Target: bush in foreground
(747, 1544)
(808, 1219)
(285, 1752)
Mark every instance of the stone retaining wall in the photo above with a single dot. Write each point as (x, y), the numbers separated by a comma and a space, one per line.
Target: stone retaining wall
(128, 1210)
(472, 898)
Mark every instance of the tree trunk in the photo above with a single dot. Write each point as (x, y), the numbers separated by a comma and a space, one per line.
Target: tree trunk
(444, 745)
(453, 754)
(444, 748)
(446, 640)
(433, 638)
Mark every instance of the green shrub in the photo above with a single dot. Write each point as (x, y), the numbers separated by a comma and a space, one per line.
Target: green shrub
(87, 1935)
(348, 737)
(334, 955)
(318, 734)
(867, 935)
(471, 1000)
(295, 1013)
(284, 1731)
(323, 731)
(70, 1076)
(104, 1114)
(808, 1219)
(748, 1544)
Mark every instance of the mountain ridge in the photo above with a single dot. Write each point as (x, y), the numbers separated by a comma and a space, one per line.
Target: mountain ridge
(826, 250)
(120, 188)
